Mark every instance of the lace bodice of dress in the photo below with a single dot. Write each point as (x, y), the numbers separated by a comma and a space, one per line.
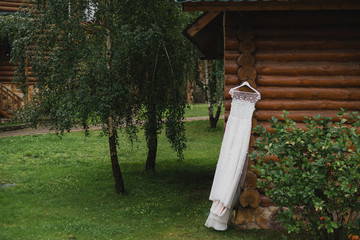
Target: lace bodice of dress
(243, 103)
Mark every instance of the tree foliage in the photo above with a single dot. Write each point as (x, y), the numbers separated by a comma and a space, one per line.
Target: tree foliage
(316, 181)
(212, 84)
(163, 60)
(123, 63)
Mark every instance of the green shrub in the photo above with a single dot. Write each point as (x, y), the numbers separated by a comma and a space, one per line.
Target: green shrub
(316, 181)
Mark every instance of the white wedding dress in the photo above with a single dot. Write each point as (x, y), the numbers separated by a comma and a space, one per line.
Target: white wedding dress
(232, 158)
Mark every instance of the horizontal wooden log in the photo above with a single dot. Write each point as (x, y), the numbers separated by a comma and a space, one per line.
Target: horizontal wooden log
(311, 81)
(307, 19)
(9, 80)
(305, 44)
(305, 68)
(304, 33)
(231, 67)
(309, 55)
(231, 79)
(227, 89)
(264, 115)
(11, 4)
(20, 1)
(272, 5)
(231, 44)
(7, 73)
(8, 9)
(7, 68)
(269, 104)
(244, 88)
(309, 93)
(5, 63)
(231, 55)
(324, 32)
(304, 93)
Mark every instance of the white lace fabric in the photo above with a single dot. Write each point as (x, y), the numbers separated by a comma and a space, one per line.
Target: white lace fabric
(237, 95)
(233, 154)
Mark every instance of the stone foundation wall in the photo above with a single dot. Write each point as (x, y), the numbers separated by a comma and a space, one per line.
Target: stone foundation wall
(265, 217)
(256, 218)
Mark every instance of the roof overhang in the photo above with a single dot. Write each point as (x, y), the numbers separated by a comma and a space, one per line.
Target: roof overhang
(207, 34)
(251, 5)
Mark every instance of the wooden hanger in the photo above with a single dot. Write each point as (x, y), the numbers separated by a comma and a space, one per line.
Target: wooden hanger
(246, 87)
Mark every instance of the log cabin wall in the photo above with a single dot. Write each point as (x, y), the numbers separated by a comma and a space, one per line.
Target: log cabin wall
(11, 5)
(305, 62)
(11, 97)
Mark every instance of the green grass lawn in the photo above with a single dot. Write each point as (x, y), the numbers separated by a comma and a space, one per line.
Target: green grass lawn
(65, 189)
(199, 110)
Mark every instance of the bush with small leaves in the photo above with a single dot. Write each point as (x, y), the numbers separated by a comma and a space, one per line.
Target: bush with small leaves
(315, 179)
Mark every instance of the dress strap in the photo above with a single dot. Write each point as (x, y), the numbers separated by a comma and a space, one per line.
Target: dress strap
(245, 83)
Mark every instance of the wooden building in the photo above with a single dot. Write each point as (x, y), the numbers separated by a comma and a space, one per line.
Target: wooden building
(303, 56)
(11, 98)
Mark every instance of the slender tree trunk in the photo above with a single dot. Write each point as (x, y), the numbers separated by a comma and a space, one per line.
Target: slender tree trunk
(215, 119)
(152, 141)
(151, 157)
(119, 182)
(212, 119)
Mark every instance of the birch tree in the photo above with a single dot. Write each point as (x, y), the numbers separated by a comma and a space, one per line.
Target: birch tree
(96, 62)
(212, 83)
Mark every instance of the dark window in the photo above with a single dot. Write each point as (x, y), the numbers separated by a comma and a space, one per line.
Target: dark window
(5, 49)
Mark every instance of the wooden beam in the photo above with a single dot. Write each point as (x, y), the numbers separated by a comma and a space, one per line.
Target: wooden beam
(8, 9)
(299, 93)
(301, 81)
(341, 55)
(201, 22)
(270, 5)
(5, 114)
(280, 104)
(302, 68)
(301, 104)
(11, 4)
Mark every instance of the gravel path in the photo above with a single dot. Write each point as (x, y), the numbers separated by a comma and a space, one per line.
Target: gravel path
(45, 130)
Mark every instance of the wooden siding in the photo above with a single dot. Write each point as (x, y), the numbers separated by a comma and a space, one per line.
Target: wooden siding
(11, 97)
(305, 64)
(269, 5)
(12, 5)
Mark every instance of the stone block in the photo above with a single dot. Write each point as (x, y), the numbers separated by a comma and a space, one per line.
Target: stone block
(262, 222)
